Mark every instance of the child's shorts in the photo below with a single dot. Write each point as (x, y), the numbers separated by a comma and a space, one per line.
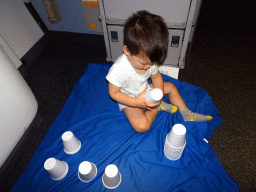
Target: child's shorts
(122, 106)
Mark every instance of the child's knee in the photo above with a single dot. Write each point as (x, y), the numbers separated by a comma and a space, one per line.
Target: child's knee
(168, 87)
(142, 127)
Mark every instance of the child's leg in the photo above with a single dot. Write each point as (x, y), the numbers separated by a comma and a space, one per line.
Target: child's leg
(165, 106)
(140, 121)
(176, 99)
(174, 96)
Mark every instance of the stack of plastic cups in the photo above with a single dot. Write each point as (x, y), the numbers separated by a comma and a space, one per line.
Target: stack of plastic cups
(111, 178)
(153, 95)
(87, 171)
(57, 169)
(71, 144)
(175, 142)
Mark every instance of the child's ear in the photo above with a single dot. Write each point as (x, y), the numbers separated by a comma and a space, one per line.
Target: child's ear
(126, 50)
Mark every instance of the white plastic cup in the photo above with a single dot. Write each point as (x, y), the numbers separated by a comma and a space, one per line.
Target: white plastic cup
(175, 142)
(177, 136)
(71, 144)
(87, 171)
(111, 178)
(57, 169)
(173, 153)
(153, 95)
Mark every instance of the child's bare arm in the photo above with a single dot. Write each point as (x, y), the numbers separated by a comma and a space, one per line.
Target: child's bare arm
(157, 81)
(120, 97)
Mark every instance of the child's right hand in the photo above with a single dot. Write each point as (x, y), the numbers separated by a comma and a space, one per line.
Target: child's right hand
(141, 102)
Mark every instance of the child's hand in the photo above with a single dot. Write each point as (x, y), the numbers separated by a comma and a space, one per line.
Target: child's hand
(144, 104)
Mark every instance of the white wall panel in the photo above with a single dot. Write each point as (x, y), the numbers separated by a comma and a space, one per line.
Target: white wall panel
(17, 27)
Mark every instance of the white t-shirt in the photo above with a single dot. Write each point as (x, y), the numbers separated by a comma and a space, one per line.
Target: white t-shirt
(123, 75)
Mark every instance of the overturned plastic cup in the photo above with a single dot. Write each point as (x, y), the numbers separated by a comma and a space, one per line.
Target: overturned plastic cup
(57, 169)
(153, 95)
(175, 142)
(71, 144)
(111, 178)
(87, 171)
(177, 136)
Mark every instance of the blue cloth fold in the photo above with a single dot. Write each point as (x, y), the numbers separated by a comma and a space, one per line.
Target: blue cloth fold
(108, 138)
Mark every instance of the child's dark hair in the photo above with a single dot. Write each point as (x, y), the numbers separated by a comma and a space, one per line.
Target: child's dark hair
(147, 34)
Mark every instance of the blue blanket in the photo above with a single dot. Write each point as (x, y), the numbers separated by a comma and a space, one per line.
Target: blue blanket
(108, 138)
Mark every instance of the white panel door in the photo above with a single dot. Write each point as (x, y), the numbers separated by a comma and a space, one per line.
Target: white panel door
(175, 12)
(175, 45)
(115, 35)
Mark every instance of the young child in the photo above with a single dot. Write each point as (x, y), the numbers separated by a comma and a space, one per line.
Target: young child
(145, 46)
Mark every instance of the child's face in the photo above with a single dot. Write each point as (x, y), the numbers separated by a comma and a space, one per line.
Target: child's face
(140, 61)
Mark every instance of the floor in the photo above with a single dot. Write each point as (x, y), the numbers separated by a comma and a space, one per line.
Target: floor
(220, 61)
(224, 68)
